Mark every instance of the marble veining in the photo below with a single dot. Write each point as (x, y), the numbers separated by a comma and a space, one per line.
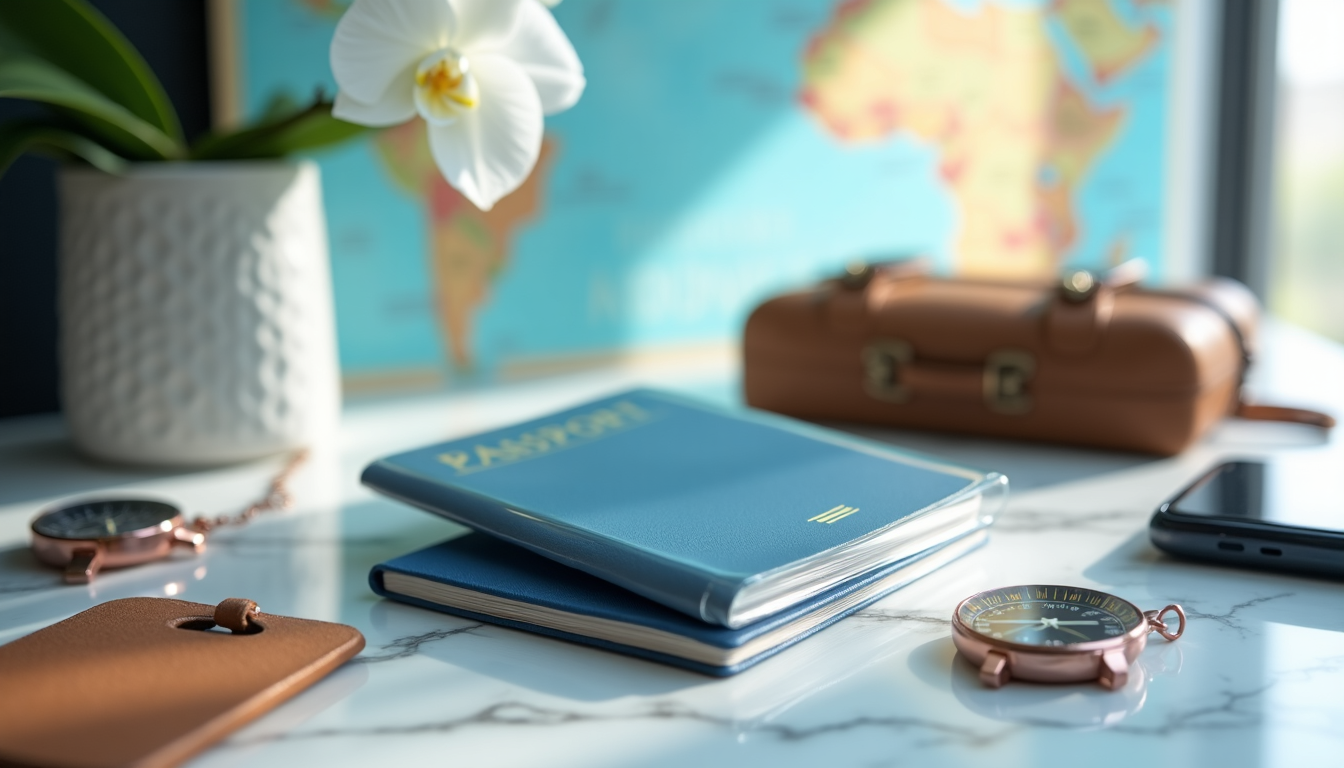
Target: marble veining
(31, 585)
(922, 621)
(516, 714)
(1254, 681)
(1226, 712)
(404, 647)
(1229, 618)
(1027, 521)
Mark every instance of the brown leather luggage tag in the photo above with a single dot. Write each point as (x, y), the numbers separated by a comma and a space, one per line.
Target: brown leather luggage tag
(148, 681)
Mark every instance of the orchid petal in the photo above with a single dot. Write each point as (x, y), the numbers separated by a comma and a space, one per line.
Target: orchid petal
(484, 24)
(396, 107)
(540, 47)
(490, 151)
(376, 40)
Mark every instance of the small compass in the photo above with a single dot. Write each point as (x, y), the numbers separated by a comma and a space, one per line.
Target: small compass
(1051, 633)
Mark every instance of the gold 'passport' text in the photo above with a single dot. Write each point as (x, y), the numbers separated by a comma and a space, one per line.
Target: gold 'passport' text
(576, 430)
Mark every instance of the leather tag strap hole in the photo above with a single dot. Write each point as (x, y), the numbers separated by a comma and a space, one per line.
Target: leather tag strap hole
(201, 624)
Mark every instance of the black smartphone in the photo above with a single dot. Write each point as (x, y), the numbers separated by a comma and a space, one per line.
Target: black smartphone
(1282, 515)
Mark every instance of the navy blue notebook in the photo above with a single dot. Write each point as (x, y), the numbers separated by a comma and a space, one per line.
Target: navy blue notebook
(726, 516)
(485, 579)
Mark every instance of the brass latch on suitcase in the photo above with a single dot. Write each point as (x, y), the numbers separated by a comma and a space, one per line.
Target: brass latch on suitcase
(1006, 375)
(892, 374)
(882, 363)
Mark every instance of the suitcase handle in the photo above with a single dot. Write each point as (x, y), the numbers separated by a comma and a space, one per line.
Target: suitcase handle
(1074, 324)
(892, 373)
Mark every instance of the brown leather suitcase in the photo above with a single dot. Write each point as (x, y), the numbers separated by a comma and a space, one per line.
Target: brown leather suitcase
(1092, 360)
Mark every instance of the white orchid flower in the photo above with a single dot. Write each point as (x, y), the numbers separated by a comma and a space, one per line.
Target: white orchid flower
(482, 74)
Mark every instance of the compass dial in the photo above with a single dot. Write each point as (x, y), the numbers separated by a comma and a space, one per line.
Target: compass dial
(1044, 615)
(104, 519)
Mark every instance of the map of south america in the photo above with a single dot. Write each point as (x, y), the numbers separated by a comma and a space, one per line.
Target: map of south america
(468, 247)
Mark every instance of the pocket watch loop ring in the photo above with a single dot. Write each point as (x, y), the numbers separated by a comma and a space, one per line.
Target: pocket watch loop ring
(1156, 624)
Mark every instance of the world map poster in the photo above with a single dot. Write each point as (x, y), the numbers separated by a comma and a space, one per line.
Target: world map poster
(724, 151)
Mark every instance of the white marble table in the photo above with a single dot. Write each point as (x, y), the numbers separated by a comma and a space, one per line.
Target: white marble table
(1257, 680)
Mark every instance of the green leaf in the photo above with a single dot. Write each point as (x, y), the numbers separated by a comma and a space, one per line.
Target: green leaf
(314, 131)
(37, 136)
(23, 77)
(279, 106)
(74, 37)
(309, 129)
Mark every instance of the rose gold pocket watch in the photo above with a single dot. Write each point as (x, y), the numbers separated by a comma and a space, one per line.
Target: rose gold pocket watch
(1055, 634)
(86, 536)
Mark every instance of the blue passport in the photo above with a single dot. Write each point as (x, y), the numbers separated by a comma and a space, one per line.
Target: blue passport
(485, 579)
(727, 516)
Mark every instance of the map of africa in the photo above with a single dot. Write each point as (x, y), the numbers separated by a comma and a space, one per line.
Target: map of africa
(725, 151)
(1015, 137)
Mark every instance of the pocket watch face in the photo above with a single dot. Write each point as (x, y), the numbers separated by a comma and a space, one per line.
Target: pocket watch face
(1049, 616)
(104, 519)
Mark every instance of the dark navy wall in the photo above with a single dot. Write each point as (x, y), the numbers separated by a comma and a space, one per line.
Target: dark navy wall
(171, 35)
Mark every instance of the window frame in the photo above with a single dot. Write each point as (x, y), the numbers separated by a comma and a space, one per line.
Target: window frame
(1242, 188)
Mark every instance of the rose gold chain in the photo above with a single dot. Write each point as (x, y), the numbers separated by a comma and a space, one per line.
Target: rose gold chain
(277, 498)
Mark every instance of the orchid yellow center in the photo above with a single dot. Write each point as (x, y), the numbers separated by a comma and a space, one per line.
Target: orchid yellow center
(444, 87)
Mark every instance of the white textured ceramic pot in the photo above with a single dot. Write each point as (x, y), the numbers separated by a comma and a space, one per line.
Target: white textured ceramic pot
(195, 310)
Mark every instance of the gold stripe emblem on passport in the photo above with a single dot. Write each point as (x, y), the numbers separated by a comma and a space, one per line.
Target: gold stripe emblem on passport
(838, 512)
